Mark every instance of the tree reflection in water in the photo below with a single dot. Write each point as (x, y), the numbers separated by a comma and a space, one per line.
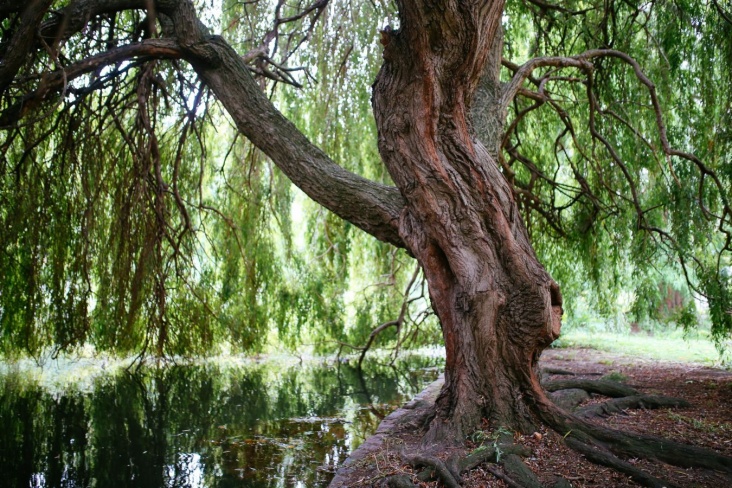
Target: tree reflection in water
(264, 425)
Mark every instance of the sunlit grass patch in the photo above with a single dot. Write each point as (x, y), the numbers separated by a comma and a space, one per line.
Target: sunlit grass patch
(661, 348)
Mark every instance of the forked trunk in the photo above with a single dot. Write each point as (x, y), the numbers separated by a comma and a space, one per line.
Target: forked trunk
(498, 306)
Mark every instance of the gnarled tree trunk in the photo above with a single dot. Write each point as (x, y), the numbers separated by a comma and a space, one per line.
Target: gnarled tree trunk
(498, 306)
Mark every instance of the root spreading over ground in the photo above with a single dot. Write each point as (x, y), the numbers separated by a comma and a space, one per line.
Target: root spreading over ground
(617, 423)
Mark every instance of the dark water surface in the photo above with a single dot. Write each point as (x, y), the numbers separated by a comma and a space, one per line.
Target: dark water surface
(272, 424)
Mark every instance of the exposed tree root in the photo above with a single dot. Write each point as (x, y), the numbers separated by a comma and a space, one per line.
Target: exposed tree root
(485, 454)
(618, 405)
(501, 476)
(569, 399)
(603, 445)
(453, 465)
(561, 483)
(439, 468)
(598, 444)
(450, 472)
(606, 458)
(648, 447)
(558, 371)
(518, 471)
(400, 481)
(601, 387)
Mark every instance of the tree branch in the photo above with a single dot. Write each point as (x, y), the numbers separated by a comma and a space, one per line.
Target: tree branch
(721, 11)
(525, 70)
(77, 14)
(544, 6)
(371, 206)
(16, 53)
(56, 80)
(583, 62)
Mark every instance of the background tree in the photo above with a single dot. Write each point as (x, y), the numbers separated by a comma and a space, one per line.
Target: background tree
(107, 195)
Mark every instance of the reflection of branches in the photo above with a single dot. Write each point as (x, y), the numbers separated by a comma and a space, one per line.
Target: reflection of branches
(365, 390)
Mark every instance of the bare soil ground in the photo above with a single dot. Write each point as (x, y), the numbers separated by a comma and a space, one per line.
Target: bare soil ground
(706, 423)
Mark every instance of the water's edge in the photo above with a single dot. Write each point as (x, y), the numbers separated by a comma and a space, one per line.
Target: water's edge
(411, 414)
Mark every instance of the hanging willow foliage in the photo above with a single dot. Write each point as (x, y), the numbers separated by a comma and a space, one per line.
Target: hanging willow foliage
(622, 167)
(135, 219)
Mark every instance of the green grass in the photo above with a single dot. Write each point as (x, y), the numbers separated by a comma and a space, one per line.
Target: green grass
(701, 424)
(616, 376)
(698, 351)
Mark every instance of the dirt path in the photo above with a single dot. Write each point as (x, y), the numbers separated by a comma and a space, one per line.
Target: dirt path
(706, 423)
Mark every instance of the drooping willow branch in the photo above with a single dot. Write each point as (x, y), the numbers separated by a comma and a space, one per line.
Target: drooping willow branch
(583, 63)
(541, 96)
(262, 56)
(54, 81)
(226, 73)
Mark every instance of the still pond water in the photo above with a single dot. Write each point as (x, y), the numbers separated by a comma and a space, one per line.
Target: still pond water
(218, 424)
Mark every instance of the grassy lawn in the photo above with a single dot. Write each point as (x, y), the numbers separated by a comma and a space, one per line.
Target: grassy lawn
(670, 348)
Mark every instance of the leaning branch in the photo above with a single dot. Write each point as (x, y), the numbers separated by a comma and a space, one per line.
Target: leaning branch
(371, 206)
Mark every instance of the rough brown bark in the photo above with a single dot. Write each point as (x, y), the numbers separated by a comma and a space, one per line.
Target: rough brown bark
(497, 305)
(15, 53)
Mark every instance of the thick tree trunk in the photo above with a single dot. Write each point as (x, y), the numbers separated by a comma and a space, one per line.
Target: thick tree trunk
(498, 306)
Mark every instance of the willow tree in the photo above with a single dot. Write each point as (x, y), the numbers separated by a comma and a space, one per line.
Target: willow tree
(462, 173)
